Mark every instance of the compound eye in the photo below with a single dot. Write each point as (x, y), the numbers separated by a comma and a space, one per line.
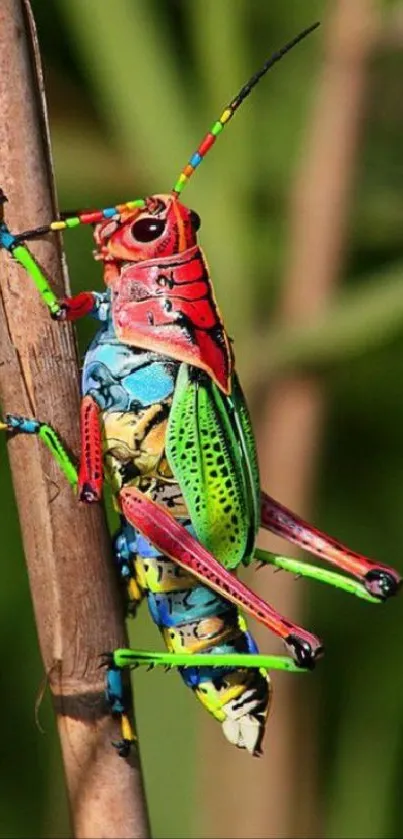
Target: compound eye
(195, 221)
(147, 229)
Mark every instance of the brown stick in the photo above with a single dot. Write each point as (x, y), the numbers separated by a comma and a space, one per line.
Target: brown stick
(77, 607)
(279, 793)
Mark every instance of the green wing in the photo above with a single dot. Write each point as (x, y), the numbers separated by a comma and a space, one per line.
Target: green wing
(211, 450)
(248, 445)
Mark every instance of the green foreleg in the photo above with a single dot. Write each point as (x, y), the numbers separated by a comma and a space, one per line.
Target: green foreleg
(25, 258)
(21, 253)
(55, 446)
(22, 425)
(304, 569)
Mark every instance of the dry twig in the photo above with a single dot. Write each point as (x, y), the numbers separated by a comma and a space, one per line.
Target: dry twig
(77, 607)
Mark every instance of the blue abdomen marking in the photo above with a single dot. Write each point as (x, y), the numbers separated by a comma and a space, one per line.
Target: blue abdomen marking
(195, 676)
(177, 607)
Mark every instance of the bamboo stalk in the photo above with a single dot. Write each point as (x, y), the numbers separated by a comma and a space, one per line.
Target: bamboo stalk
(74, 591)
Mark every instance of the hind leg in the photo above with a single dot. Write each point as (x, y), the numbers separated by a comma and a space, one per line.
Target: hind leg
(380, 581)
(206, 639)
(173, 540)
(313, 572)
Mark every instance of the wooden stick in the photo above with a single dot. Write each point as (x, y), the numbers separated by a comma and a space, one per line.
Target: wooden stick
(77, 607)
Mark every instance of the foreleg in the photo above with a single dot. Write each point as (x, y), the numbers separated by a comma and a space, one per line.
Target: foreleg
(76, 307)
(69, 308)
(17, 424)
(90, 478)
(174, 541)
(380, 581)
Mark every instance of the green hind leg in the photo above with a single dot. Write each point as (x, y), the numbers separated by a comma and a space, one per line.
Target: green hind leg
(304, 569)
(134, 658)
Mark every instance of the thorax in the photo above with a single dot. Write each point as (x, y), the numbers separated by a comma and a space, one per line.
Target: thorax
(134, 388)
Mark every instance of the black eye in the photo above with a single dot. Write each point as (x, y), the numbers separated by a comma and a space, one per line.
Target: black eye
(195, 220)
(147, 229)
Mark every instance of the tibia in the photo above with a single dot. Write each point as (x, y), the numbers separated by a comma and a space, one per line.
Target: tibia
(134, 658)
(304, 569)
(380, 581)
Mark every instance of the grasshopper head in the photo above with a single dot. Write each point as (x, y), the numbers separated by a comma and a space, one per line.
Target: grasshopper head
(164, 227)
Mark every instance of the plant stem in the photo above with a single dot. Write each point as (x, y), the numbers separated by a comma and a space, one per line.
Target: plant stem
(74, 591)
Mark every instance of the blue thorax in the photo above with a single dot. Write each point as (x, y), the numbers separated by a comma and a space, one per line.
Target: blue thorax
(120, 377)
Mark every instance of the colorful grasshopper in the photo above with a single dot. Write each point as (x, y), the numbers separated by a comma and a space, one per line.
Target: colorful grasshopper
(163, 417)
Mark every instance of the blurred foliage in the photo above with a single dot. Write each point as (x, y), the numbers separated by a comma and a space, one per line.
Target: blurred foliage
(132, 87)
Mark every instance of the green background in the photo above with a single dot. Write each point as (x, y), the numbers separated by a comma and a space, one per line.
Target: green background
(132, 87)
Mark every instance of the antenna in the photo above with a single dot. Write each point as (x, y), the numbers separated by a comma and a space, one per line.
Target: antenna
(216, 129)
(68, 221)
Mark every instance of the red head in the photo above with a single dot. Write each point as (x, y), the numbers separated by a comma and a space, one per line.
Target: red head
(165, 227)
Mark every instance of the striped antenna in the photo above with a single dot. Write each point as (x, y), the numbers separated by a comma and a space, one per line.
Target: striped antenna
(67, 221)
(210, 138)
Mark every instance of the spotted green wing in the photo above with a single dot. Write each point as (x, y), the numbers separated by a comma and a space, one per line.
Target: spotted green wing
(211, 453)
(248, 445)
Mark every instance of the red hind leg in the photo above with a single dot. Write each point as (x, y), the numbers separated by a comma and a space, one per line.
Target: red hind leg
(379, 580)
(173, 540)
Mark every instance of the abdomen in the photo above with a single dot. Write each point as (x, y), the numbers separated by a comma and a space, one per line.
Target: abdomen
(191, 618)
(134, 391)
